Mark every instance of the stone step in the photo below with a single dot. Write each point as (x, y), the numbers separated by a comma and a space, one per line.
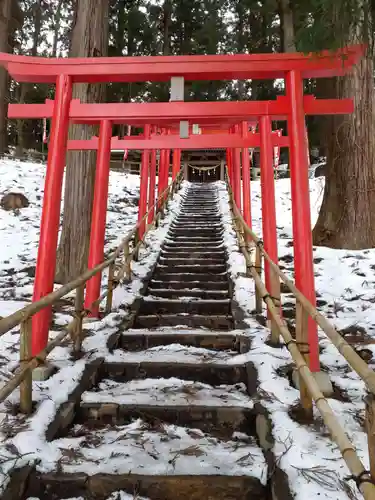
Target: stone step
(190, 268)
(175, 247)
(191, 202)
(183, 285)
(183, 240)
(150, 305)
(195, 226)
(191, 216)
(211, 373)
(218, 421)
(199, 208)
(187, 278)
(192, 260)
(219, 322)
(138, 340)
(206, 263)
(199, 219)
(186, 292)
(174, 254)
(153, 486)
(198, 212)
(195, 231)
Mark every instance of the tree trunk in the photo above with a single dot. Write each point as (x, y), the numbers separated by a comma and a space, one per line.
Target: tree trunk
(20, 148)
(288, 35)
(166, 22)
(5, 18)
(89, 39)
(347, 214)
(24, 88)
(56, 28)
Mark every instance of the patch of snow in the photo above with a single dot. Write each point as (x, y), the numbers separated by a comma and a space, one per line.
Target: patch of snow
(312, 462)
(171, 450)
(170, 391)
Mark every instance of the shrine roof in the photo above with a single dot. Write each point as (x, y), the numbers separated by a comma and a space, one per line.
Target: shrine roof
(197, 67)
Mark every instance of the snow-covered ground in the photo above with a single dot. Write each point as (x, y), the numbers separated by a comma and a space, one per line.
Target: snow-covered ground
(312, 462)
(344, 285)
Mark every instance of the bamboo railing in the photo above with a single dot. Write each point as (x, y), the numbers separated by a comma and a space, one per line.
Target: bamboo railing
(129, 248)
(309, 387)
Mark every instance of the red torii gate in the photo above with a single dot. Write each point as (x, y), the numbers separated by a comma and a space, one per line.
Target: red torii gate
(293, 107)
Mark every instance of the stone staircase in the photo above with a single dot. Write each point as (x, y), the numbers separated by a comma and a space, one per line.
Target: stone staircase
(169, 415)
(190, 285)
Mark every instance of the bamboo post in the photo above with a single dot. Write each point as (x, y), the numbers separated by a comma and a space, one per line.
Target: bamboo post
(136, 246)
(258, 267)
(303, 345)
(346, 350)
(337, 432)
(128, 272)
(26, 386)
(111, 275)
(79, 307)
(370, 428)
(276, 297)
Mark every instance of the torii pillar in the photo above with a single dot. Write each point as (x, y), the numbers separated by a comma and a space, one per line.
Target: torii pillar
(99, 214)
(49, 227)
(302, 234)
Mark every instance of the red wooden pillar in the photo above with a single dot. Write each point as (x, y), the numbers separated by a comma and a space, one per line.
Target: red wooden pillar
(176, 163)
(142, 210)
(151, 189)
(168, 164)
(269, 210)
(236, 162)
(49, 228)
(302, 235)
(246, 178)
(229, 164)
(99, 213)
(162, 175)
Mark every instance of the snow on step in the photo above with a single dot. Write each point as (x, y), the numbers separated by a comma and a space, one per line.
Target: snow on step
(175, 353)
(184, 330)
(138, 448)
(167, 392)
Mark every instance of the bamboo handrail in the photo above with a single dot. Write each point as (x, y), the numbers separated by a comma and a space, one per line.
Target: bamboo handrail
(348, 452)
(23, 315)
(26, 312)
(345, 349)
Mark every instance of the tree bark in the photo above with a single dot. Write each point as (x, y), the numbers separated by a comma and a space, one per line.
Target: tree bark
(347, 214)
(167, 7)
(89, 39)
(287, 23)
(5, 20)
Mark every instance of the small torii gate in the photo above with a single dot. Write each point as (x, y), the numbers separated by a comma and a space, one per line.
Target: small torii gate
(293, 107)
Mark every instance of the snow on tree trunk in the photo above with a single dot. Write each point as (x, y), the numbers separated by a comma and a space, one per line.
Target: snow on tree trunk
(89, 39)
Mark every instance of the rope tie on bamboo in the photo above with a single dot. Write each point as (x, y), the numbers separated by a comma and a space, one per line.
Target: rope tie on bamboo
(260, 243)
(363, 477)
(291, 341)
(258, 269)
(303, 347)
(269, 296)
(115, 282)
(39, 359)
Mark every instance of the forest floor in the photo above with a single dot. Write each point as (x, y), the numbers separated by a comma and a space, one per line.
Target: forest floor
(344, 282)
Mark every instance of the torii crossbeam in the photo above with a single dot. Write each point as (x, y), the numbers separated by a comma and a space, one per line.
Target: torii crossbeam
(293, 107)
